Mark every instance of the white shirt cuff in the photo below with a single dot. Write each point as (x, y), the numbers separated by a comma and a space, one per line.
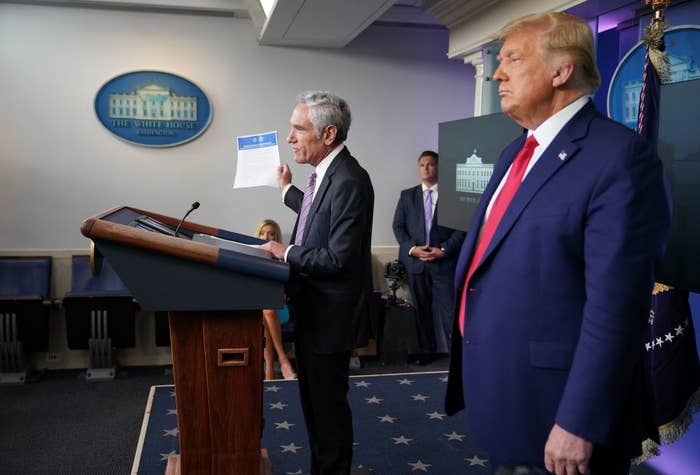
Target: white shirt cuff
(285, 189)
(287, 251)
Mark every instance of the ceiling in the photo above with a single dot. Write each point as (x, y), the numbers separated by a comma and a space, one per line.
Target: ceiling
(324, 23)
(335, 23)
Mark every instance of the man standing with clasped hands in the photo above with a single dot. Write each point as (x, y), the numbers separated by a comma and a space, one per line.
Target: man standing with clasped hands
(429, 254)
(330, 287)
(554, 278)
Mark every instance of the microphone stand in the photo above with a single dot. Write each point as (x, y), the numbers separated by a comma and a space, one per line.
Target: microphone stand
(194, 206)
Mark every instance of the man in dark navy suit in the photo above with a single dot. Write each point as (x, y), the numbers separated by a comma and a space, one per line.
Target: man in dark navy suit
(429, 254)
(330, 288)
(554, 278)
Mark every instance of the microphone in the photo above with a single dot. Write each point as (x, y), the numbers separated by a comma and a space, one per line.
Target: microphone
(194, 206)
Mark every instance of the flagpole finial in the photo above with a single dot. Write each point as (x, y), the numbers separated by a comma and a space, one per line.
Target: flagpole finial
(654, 39)
(657, 6)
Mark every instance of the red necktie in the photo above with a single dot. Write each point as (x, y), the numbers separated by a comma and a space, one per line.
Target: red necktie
(500, 205)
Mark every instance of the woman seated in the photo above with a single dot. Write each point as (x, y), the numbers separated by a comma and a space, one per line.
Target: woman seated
(269, 230)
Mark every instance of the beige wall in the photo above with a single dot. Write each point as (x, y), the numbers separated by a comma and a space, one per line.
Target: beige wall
(58, 165)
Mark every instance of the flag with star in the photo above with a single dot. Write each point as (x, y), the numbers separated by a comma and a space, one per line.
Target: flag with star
(398, 428)
(671, 360)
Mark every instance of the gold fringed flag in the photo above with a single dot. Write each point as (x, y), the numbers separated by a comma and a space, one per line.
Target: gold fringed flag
(672, 368)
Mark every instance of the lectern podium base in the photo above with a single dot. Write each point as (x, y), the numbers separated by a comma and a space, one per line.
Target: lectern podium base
(214, 297)
(173, 467)
(217, 371)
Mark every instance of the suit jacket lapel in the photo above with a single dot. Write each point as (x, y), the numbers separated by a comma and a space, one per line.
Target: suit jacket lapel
(419, 216)
(564, 145)
(323, 188)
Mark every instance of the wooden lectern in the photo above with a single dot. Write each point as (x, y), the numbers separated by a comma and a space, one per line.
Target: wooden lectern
(213, 285)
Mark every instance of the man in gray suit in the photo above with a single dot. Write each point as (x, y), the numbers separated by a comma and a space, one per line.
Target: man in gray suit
(330, 288)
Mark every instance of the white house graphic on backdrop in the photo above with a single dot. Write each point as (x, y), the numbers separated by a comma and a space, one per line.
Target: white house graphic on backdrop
(152, 102)
(682, 69)
(473, 175)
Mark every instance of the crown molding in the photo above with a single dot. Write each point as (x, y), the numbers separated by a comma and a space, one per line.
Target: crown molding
(474, 23)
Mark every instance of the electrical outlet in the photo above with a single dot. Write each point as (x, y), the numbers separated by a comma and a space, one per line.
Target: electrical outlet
(50, 356)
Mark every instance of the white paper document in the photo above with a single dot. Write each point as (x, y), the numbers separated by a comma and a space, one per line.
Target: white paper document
(258, 159)
(243, 248)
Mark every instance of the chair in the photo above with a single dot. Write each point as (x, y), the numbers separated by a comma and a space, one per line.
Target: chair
(24, 313)
(100, 316)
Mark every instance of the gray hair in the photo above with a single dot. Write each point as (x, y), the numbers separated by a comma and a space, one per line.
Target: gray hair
(327, 109)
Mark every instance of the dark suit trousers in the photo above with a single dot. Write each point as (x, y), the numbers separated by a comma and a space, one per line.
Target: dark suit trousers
(323, 389)
(433, 298)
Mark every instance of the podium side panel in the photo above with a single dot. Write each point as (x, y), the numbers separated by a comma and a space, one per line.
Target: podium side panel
(187, 343)
(233, 350)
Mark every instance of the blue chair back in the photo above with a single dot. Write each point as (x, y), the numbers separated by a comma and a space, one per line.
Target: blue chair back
(25, 277)
(84, 284)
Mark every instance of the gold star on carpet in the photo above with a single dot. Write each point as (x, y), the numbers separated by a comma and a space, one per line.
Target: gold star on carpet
(475, 460)
(423, 467)
(401, 440)
(291, 448)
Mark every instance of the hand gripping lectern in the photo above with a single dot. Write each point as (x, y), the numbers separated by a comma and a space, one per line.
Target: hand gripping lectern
(213, 283)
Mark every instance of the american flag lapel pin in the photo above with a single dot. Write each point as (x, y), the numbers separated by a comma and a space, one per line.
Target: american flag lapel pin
(562, 155)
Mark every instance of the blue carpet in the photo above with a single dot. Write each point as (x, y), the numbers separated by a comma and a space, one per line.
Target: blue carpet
(399, 423)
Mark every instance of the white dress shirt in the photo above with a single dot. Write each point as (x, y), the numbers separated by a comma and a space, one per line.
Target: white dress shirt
(544, 134)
